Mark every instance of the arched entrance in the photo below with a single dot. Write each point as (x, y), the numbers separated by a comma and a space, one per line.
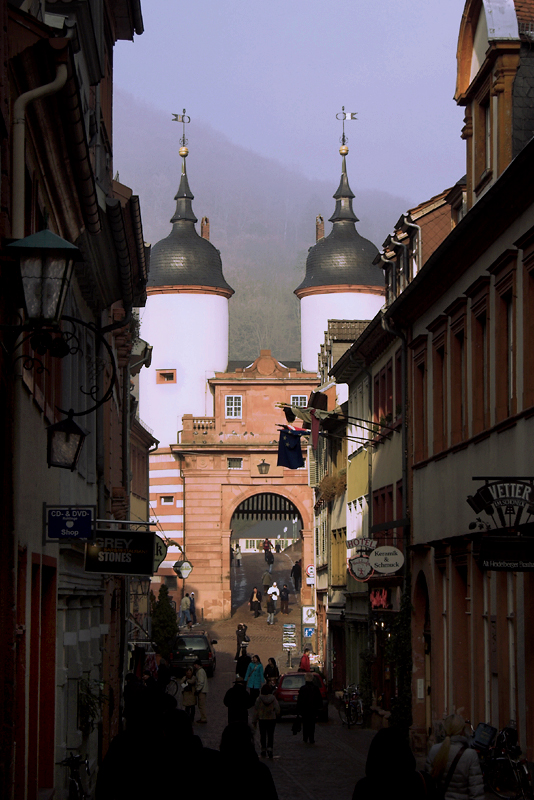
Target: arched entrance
(260, 516)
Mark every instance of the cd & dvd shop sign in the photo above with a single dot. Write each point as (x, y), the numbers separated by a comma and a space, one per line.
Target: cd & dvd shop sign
(121, 553)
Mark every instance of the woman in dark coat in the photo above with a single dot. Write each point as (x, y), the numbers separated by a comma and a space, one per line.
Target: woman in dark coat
(255, 601)
(240, 633)
(271, 672)
(390, 769)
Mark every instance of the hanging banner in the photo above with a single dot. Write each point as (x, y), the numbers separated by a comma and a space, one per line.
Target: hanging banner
(121, 553)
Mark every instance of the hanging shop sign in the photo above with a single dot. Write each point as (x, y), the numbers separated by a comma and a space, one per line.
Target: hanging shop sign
(360, 568)
(68, 522)
(505, 500)
(512, 553)
(386, 559)
(121, 553)
(183, 569)
(160, 551)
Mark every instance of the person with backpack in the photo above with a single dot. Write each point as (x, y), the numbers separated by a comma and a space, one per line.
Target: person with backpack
(454, 765)
(390, 770)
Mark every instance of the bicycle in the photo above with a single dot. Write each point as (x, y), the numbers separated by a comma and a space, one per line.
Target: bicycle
(505, 772)
(74, 762)
(351, 708)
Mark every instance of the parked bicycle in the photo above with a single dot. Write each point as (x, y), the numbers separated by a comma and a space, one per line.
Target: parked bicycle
(351, 706)
(74, 762)
(504, 769)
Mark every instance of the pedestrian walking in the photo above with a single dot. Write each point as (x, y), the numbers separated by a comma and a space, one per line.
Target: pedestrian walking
(242, 638)
(242, 663)
(185, 612)
(296, 574)
(255, 602)
(390, 769)
(274, 592)
(237, 554)
(266, 711)
(270, 610)
(192, 608)
(267, 546)
(284, 599)
(271, 672)
(266, 581)
(242, 765)
(453, 765)
(189, 698)
(201, 690)
(269, 557)
(254, 677)
(304, 665)
(309, 704)
(238, 701)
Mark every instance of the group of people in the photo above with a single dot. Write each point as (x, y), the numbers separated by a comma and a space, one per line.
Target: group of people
(271, 593)
(188, 614)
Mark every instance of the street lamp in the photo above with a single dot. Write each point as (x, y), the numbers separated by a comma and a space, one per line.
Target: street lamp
(64, 443)
(46, 264)
(263, 467)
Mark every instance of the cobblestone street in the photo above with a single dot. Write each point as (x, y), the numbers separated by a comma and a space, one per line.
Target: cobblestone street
(328, 769)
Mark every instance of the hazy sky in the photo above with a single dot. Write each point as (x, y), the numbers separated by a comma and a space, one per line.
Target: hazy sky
(272, 76)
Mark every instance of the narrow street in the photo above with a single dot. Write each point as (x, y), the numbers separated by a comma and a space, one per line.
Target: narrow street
(331, 767)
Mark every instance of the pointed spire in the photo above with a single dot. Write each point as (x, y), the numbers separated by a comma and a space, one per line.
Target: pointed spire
(184, 195)
(344, 195)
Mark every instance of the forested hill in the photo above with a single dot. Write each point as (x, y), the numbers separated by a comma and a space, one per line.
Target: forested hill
(262, 216)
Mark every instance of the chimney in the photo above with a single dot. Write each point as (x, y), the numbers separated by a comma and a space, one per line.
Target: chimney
(319, 228)
(205, 228)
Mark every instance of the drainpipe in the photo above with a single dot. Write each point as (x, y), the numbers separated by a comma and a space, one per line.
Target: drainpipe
(19, 135)
(419, 241)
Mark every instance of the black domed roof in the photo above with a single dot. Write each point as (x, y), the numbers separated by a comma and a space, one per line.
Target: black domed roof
(183, 257)
(342, 257)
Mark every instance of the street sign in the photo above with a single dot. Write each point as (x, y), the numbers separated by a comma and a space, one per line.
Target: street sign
(309, 615)
(160, 551)
(121, 553)
(308, 632)
(310, 571)
(69, 522)
(289, 636)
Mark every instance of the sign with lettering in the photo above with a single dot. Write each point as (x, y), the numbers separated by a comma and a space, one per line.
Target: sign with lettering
(507, 553)
(69, 522)
(121, 553)
(508, 499)
(386, 559)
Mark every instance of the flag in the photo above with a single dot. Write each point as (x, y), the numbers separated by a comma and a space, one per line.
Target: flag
(350, 115)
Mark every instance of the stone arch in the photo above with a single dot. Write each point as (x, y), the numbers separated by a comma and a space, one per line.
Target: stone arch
(305, 513)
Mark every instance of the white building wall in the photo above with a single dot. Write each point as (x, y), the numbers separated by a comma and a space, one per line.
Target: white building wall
(317, 309)
(189, 334)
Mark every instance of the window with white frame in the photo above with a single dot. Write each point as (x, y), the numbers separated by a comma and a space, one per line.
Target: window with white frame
(166, 499)
(299, 400)
(233, 406)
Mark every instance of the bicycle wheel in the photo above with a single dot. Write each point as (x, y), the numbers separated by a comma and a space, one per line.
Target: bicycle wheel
(358, 712)
(503, 781)
(346, 715)
(173, 687)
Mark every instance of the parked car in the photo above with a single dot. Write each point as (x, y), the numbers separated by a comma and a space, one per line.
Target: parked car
(190, 645)
(287, 692)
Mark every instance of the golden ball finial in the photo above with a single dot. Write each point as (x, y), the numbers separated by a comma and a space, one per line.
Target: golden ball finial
(343, 150)
(184, 152)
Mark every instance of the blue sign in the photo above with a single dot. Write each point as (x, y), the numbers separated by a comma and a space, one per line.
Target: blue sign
(69, 522)
(308, 632)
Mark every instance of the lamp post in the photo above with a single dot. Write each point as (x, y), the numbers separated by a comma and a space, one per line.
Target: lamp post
(263, 467)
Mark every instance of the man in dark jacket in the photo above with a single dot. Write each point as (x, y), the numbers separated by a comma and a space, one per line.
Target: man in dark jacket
(238, 701)
(309, 704)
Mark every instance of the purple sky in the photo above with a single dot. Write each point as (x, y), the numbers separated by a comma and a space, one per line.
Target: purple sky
(272, 75)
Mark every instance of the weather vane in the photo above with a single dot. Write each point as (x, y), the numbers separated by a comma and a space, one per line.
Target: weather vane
(184, 119)
(343, 115)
